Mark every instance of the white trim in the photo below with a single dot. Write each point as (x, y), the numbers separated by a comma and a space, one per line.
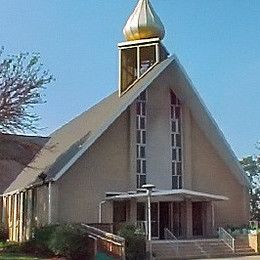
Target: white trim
(178, 192)
(145, 41)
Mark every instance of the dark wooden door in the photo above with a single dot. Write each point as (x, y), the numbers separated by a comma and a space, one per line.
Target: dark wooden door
(197, 219)
(164, 217)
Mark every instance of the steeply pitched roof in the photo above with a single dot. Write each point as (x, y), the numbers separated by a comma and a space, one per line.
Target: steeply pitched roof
(69, 142)
(16, 151)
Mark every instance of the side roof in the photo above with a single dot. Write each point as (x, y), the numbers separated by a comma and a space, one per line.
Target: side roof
(16, 151)
(69, 142)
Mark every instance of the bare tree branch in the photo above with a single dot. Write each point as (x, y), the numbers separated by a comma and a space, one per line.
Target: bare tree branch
(22, 78)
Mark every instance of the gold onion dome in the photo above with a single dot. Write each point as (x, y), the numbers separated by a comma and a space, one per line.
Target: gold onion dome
(143, 23)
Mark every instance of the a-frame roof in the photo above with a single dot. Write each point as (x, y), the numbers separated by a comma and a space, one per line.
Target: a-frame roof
(69, 142)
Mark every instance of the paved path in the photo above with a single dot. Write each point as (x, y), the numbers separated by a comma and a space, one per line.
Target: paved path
(255, 257)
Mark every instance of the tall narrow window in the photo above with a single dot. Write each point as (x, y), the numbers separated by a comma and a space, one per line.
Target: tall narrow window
(176, 141)
(128, 67)
(141, 139)
(147, 58)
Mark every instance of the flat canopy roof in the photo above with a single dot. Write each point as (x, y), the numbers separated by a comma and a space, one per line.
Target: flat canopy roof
(166, 195)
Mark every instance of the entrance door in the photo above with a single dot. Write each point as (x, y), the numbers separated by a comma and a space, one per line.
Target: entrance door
(155, 220)
(197, 219)
(165, 220)
(176, 219)
(142, 218)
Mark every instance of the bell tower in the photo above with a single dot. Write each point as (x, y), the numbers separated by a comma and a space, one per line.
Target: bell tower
(142, 49)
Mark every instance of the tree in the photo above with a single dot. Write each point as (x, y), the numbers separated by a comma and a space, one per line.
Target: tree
(22, 79)
(251, 165)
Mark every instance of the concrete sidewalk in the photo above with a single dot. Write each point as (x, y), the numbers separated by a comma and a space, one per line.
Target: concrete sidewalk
(255, 257)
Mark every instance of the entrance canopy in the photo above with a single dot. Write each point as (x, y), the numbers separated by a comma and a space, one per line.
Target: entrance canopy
(165, 195)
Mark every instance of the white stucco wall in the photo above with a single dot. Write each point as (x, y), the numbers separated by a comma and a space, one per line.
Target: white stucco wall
(104, 167)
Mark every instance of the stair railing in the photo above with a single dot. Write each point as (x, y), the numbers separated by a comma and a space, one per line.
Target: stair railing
(227, 238)
(106, 242)
(142, 225)
(168, 235)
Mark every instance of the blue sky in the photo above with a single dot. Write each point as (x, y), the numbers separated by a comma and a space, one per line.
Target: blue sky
(217, 41)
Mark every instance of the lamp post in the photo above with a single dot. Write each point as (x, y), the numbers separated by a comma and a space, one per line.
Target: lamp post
(149, 188)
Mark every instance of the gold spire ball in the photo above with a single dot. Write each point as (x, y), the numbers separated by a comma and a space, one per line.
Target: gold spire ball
(143, 23)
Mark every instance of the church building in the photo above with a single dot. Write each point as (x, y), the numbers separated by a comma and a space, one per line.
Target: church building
(154, 129)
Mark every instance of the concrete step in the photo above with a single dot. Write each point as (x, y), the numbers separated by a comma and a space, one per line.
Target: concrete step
(199, 249)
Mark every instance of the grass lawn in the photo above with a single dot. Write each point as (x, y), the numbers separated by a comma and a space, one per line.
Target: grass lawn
(16, 257)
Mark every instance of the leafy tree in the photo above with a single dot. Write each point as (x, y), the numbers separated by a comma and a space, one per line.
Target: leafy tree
(22, 79)
(251, 165)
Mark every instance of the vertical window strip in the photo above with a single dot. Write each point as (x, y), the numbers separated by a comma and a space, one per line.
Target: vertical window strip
(141, 139)
(176, 141)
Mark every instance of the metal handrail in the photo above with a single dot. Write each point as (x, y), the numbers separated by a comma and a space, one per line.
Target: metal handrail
(107, 237)
(169, 234)
(227, 238)
(142, 225)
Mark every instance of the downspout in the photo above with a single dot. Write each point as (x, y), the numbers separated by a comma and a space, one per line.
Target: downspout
(49, 203)
(100, 211)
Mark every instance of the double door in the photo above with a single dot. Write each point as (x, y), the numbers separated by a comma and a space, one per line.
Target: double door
(163, 215)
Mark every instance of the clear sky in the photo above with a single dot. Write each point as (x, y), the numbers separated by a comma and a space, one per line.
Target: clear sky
(217, 41)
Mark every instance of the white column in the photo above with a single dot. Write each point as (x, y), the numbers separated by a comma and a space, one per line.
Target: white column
(29, 214)
(4, 211)
(21, 217)
(9, 220)
(50, 203)
(15, 219)
(213, 215)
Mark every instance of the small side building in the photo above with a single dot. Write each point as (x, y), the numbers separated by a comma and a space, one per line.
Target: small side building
(16, 152)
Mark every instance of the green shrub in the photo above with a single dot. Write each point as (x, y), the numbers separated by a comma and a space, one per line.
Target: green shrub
(40, 242)
(3, 233)
(68, 240)
(135, 242)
